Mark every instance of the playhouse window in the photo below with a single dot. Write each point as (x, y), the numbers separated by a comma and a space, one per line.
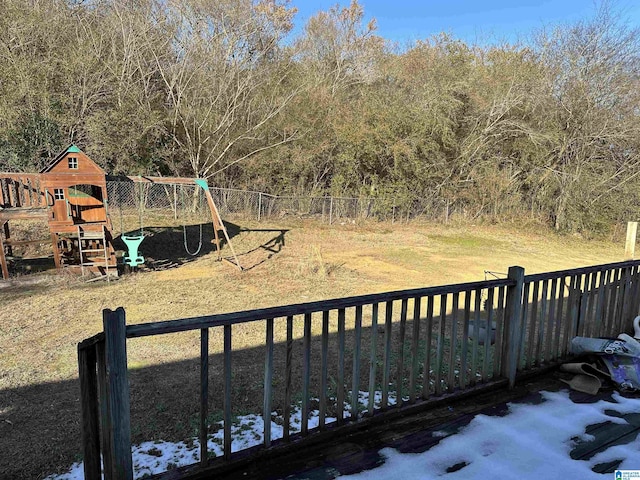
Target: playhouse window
(58, 193)
(73, 163)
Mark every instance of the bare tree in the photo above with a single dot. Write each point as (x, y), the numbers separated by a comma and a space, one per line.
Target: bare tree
(225, 74)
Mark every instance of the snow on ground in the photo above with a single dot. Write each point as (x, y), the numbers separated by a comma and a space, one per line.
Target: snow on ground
(531, 442)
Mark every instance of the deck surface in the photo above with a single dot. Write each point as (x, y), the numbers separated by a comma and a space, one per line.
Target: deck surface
(418, 432)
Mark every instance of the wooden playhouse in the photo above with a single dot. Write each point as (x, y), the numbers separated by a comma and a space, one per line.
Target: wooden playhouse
(71, 194)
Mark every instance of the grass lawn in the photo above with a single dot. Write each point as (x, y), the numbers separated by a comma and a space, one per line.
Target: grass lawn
(42, 317)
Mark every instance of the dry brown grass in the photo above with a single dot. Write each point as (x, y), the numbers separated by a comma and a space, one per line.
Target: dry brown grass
(43, 317)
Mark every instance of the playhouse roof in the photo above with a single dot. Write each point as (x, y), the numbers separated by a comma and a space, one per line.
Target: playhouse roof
(70, 149)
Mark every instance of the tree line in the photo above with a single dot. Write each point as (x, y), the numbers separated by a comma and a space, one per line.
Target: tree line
(224, 90)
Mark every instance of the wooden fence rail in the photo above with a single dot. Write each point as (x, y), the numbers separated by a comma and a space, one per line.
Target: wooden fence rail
(407, 349)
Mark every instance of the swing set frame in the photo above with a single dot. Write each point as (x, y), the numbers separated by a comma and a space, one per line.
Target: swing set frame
(216, 220)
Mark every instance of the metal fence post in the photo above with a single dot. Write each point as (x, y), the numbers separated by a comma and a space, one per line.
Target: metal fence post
(331, 210)
(117, 394)
(513, 312)
(259, 204)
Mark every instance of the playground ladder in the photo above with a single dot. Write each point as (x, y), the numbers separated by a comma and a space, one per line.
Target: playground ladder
(100, 238)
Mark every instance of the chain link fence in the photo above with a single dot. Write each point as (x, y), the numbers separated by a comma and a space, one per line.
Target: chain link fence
(261, 206)
(133, 205)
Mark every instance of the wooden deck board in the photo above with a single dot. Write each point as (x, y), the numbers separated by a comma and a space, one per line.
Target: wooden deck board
(355, 452)
(419, 432)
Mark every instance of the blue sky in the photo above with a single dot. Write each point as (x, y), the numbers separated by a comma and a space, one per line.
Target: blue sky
(482, 21)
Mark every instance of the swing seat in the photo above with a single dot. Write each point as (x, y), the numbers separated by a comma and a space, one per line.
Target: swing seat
(133, 242)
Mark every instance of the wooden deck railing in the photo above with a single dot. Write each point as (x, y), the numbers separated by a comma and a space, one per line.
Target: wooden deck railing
(407, 348)
(21, 190)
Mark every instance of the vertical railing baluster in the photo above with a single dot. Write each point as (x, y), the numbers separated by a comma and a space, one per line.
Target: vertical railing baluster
(566, 320)
(487, 335)
(582, 327)
(610, 302)
(340, 386)
(522, 361)
(477, 306)
(453, 340)
(415, 339)
(541, 322)
(355, 384)
(204, 395)
(532, 328)
(373, 359)
(465, 339)
(635, 309)
(498, 351)
(400, 364)
(268, 382)
(559, 319)
(386, 371)
(635, 306)
(551, 320)
(618, 303)
(426, 376)
(625, 310)
(598, 322)
(324, 369)
(440, 344)
(582, 316)
(287, 382)
(591, 298)
(306, 373)
(227, 392)
(575, 308)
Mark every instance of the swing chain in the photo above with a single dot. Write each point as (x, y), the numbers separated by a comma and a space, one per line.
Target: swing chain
(184, 236)
(184, 232)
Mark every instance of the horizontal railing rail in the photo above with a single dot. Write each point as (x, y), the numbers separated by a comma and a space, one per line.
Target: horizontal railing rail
(358, 358)
(578, 271)
(207, 321)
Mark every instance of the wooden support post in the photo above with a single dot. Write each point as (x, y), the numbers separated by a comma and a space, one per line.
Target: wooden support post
(3, 261)
(513, 325)
(56, 251)
(117, 383)
(217, 222)
(105, 433)
(7, 236)
(87, 363)
(630, 245)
